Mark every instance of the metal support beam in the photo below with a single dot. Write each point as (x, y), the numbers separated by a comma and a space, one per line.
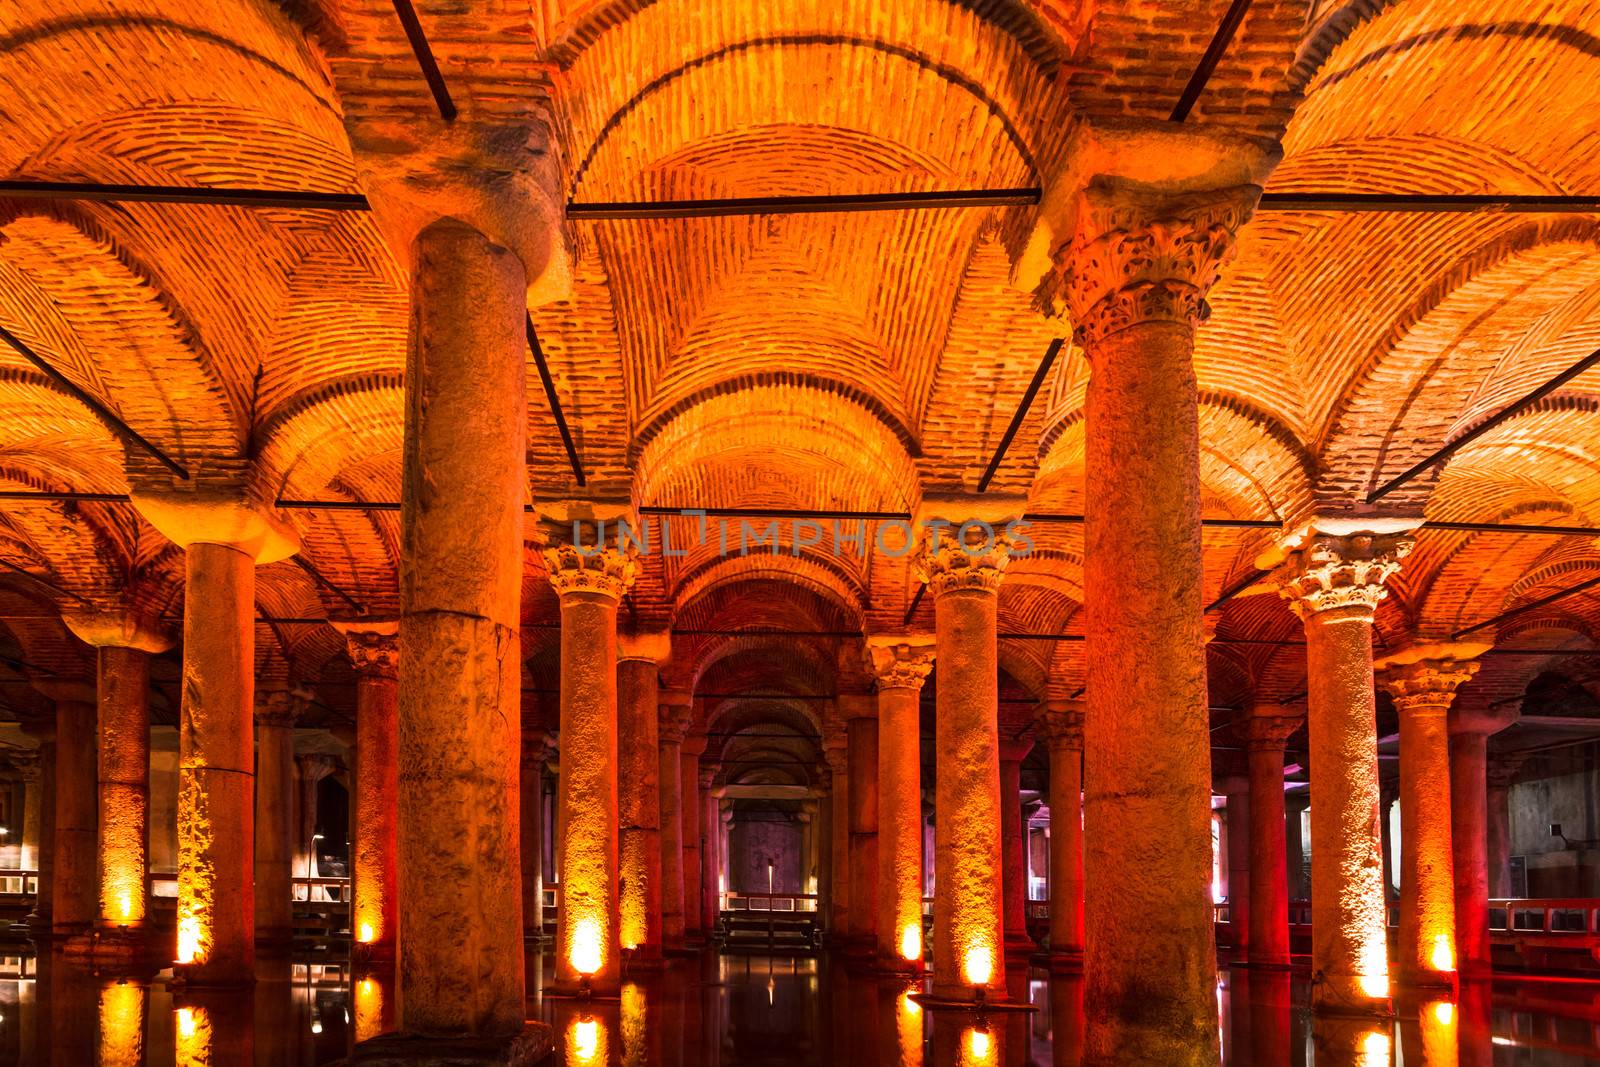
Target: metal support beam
(1524, 609)
(100, 192)
(1488, 424)
(318, 577)
(1430, 203)
(1021, 413)
(801, 205)
(1208, 62)
(554, 401)
(120, 428)
(424, 53)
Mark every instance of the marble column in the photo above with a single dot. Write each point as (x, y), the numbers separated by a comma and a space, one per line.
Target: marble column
(860, 715)
(1236, 855)
(693, 810)
(713, 834)
(536, 749)
(277, 836)
(1061, 723)
(75, 870)
(1144, 247)
(374, 651)
(1013, 848)
(1470, 726)
(1266, 733)
(673, 714)
(124, 644)
(590, 584)
(639, 806)
(1423, 684)
(835, 750)
(901, 666)
(962, 567)
(224, 538)
(1334, 579)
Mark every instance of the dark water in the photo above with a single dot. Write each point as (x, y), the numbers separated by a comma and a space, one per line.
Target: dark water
(753, 1011)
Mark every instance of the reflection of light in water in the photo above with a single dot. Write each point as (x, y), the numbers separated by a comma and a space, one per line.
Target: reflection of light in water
(369, 1009)
(635, 1052)
(771, 990)
(979, 965)
(192, 1046)
(1439, 1042)
(1444, 1012)
(977, 1048)
(908, 1029)
(586, 1042)
(1374, 1050)
(121, 1025)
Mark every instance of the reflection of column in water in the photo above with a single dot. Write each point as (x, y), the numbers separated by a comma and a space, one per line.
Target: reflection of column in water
(72, 996)
(635, 1051)
(586, 1042)
(121, 1025)
(1266, 1028)
(1475, 1031)
(214, 1029)
(1349, 1041)
(1066, 1022)
(908, 1029)
(980, 1047)
(369, 1005)
(1430, 1037)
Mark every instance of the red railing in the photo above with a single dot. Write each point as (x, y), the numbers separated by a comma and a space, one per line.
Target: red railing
(797, 902)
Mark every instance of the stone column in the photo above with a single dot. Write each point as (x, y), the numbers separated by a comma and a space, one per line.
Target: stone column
(588, 947)
(1502, 771)
(536, 749)
(962, 569)
(1266, 734)
(224, 538)
(75, 868)
(901, 666)
(1144, 247)
(277, 837)
(1295, 805)
(689, 774)
(1236, 842)
(1013, 845)
(861, 724)
(835, 749)
(1061, 723)
(125, 644)
(639, 762)
(27, 764)
(712, 831)
(1388, 793)
(374, 651)
(313, 769)
(673, 713)
(1469, 726)
(1334, 581)
(45, 830)
(1423, 683)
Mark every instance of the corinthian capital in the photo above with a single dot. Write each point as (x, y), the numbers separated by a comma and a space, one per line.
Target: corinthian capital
(1426, 680)
(900, 662)
(1330, 571)
(604, 571)
(281, 707)
(950, 560)
(1060, 723)
(1142, 255)
(373, 647)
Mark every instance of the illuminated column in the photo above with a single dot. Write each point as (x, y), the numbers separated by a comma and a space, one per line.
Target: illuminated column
(1423, 684)
(27, 763)
(536, 749)
(275, 845)
(44, 827)
(1013, 847)
(1469, 727)
(967, 924)
(835, 750)
(587, 937)
(712, 830)
(313, 769)
(1502, 771)
(125, 644)
(1266, 735)
(861, 724)
(639, 763)
(673, 710)
(689, 776)
(1334, 580)
(1061, 723)
(74, 867)
(224, 540)
(1294, 806)
(374, 651)
(901, 667)
(1143, 248)
(1236, 833)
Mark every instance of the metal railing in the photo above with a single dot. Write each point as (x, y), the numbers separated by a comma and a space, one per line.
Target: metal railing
(1555, 916)
(792, 902)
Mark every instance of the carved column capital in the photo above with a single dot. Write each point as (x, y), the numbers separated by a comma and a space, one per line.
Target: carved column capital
(673, 722)
(601, 571)
(281, 707)
(26, 763)
(1268, 730)
(1424, 686)
(836, 751)
(708, 774)
(1060, 723)
(1139, 255)
(1503, 769)
(900, 662)
(373, 654)
(117, 628)
(314, 768)
(950, 560)
(1329, 572)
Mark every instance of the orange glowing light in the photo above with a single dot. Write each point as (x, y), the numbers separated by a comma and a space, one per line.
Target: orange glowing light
(186, 1023)
(1375, 1049)
(121, 1025)
(586, 1042)
(977, 1048)
(911, 942)
(1374, 985)
(369, 1009)
(1444, 956)
(366, 934)
(586, 955)
(908, 1030)
(635, 1047)
(978, 965)
(190, 938)
(1444, 1013)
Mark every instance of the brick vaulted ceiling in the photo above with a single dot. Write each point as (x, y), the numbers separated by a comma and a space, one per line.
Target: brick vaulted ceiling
(848, 361)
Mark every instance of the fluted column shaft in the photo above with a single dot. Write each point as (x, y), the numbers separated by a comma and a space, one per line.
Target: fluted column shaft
(836, 752)
(1334, 583)
(1236, 816)
(712, 837)
(901, 669)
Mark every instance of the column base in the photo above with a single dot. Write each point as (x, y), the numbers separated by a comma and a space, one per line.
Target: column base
(1274, 963)
(533, 1044)
(114, 947)
(645, 958)
(374, 953)
(1340, 995)
(598, 988)
(1020, 947)
(896, 966)
(1066, 961)
(212, 976)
